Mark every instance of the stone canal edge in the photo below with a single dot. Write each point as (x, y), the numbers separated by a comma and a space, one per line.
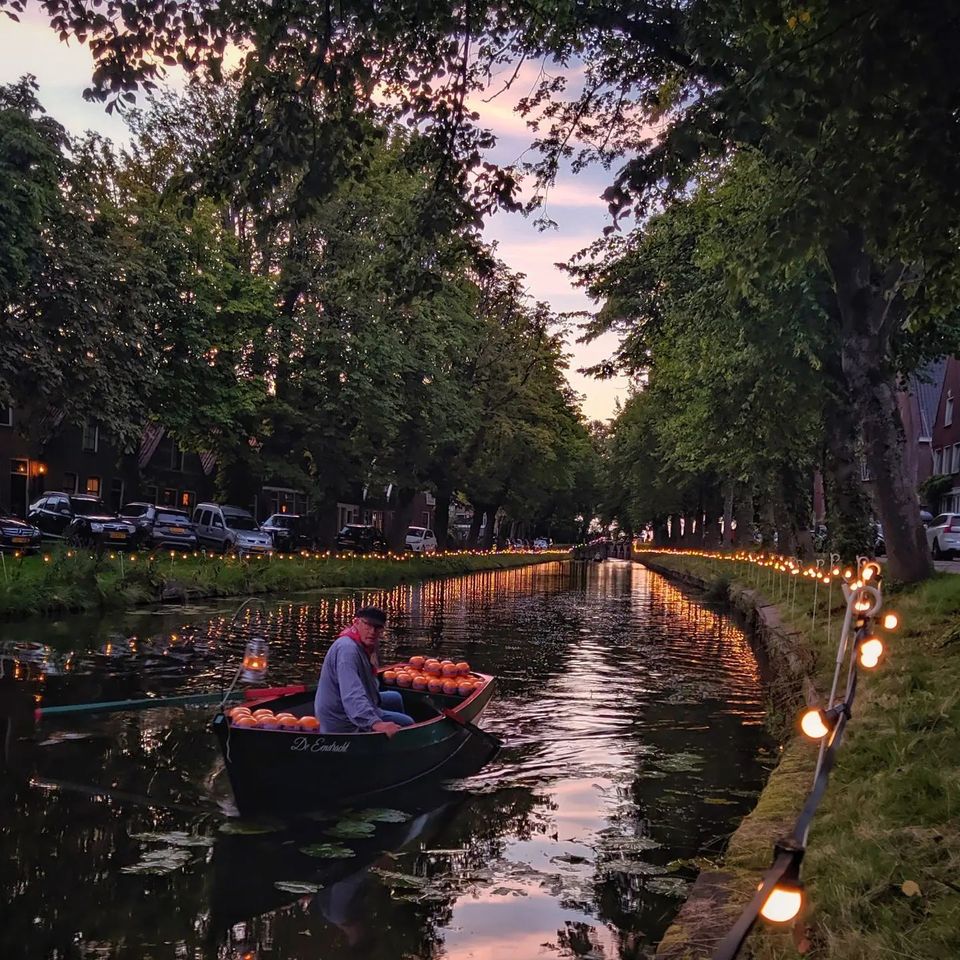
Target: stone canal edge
(718, 895)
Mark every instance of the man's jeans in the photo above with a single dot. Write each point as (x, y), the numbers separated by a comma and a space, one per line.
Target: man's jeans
(392, 708)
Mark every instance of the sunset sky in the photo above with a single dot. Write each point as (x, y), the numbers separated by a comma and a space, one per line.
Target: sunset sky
(62, 72)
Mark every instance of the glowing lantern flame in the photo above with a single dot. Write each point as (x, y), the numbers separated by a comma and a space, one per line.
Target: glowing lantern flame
(255, 660)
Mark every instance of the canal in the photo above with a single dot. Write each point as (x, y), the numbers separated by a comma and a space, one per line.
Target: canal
(632, 721)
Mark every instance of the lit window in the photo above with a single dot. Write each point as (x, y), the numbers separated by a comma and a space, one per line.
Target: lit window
(93, 486)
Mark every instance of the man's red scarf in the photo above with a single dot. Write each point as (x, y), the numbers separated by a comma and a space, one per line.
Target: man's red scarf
(371, 655)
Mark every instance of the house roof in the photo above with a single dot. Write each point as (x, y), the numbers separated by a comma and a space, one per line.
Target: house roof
(926, 384)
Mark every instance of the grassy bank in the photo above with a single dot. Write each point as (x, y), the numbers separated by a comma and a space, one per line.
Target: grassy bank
(61, 580)
(891, 815)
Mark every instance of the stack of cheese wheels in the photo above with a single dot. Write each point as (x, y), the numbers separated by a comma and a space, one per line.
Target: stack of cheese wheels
(433, 676)
(264, 719)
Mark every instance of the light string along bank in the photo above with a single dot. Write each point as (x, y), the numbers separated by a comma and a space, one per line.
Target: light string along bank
(780, 895)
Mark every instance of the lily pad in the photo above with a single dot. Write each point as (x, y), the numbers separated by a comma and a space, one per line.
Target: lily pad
(680, 763)
(350, 829)
(328, 851)
(668, 886)
(381, 815)
(249, 827)
(176, 838)
(297, 886)
(408, 881)
(161, 861)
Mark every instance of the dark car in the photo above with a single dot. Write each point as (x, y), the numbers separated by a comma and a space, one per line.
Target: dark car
(81, 519)
(16, 535)
(161, 527)
(290, 532)
(361, 538)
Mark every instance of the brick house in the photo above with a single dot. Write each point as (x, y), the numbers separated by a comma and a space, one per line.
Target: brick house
(946, 436)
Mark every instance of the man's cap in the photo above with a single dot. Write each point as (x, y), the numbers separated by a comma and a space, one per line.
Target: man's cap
(373, 615)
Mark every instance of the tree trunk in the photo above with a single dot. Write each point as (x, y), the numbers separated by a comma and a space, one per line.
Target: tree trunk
(441, 517)
(872, 309)
(743, 514)
(661, 536)
(487, 542)
(476, 521)
(402, 515)
(728, 514)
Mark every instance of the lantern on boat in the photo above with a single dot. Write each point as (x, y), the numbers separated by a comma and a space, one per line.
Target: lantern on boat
(255, 660)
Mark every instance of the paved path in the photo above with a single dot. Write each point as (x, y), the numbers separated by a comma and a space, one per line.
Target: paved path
(947, 566)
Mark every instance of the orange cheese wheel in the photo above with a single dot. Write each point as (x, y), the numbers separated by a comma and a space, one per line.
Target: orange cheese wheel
(463, 667)
(465, 689)
(389, 676)
(435, 685)
(419, 683)
(309, 724)
(244, 720)
(450, 687)
(403, 680)
(418, 662)
(449, 669)
(432, 667)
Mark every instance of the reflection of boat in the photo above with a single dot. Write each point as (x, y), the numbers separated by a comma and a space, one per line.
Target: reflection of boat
(247, 868)
(289, 770)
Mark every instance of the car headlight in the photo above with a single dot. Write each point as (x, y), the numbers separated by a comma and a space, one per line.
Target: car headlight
(96, 528)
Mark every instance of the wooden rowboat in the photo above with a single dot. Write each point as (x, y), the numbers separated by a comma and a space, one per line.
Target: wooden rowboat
(296, 770)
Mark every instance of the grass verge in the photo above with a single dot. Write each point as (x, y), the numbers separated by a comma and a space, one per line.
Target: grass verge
(61, 581)
(883, 863)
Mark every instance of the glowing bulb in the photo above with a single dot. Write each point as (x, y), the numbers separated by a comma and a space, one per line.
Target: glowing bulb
(782, 905)
(890, 621)
(811, 723)
(869, 571)
(870, 652)
(847, 574)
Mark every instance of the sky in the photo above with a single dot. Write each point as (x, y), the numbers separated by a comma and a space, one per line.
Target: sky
(62, 72)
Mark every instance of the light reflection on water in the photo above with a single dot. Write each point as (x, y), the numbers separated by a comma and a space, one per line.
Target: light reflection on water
(632, 722)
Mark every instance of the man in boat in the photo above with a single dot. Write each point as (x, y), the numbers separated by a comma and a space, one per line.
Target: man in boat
(348, 698)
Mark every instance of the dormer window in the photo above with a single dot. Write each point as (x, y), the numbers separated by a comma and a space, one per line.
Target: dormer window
(948, 410)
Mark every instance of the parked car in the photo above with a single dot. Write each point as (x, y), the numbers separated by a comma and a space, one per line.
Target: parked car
(290, 531)
(943, 536)
(16, 535)
(225, 528)
(361, 538)
(161, 527)
(81, 519)
(421, 540)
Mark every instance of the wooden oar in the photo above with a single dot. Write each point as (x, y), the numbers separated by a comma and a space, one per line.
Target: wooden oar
(466, 724)
(148, 703)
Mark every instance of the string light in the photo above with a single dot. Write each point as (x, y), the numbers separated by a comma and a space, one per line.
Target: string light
(783, 903)
(871, 650)
(890, 621)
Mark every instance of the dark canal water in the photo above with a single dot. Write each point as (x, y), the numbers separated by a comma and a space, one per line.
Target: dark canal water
(633, 726)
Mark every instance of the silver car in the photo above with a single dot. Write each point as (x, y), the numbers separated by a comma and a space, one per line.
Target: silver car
(229, 529)
(943, 536)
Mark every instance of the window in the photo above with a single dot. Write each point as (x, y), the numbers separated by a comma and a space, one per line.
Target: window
(425, 518)
(70, 483)
(206, 518)
(152, 494)
(176, 456)
(6, 416)
(948, 410)
(90, 442)
(116, 494)
(187, 499)
(937, 462)
(93, 486)
(169, 498)
(865, 471)
(955, 466)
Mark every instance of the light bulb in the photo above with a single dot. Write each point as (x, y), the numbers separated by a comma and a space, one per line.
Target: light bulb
(811, 723)
(870, 652)
(890, 621)
(783, 904)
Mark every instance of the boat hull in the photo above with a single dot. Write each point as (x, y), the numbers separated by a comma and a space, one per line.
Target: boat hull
(290, 771)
